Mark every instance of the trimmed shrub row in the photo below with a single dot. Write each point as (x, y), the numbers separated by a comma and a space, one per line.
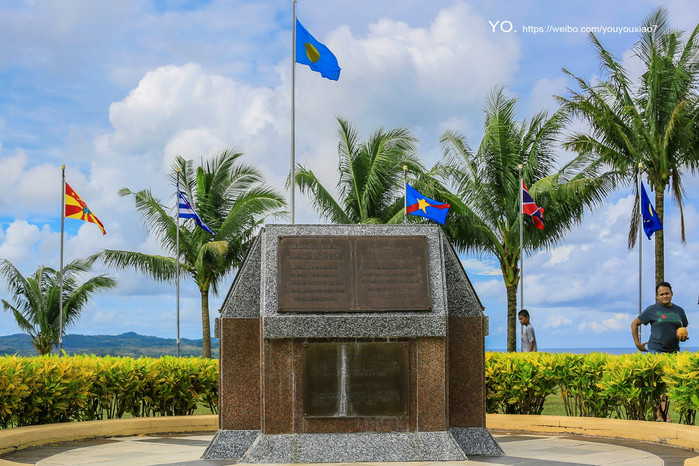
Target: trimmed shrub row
(48, 389)
(597, 384)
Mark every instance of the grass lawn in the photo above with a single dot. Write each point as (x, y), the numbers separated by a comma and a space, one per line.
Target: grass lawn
(554, 407)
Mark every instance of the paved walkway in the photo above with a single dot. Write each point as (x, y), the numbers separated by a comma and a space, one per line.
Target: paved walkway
(186, 449)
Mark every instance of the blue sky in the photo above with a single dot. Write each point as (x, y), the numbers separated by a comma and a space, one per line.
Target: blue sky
(116, 90)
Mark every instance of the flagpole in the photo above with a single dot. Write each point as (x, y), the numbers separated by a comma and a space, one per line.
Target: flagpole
(292, 192)
(521, 241)
(60, 273)
(177, 258)
(405, 192)
(640, 246)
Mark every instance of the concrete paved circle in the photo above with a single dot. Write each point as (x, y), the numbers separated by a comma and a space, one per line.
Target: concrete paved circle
(186, 449)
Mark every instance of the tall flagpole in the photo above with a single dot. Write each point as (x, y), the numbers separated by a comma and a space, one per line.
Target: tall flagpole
(405, 192)
(293, 113)
(60, 273)
(521, 241)
(177, 259)
(640, 245)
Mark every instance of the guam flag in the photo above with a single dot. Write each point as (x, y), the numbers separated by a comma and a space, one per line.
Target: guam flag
(76, 208)
(417, 204)
(530, 208)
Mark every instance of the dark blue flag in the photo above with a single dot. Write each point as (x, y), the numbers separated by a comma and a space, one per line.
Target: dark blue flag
(651, 222)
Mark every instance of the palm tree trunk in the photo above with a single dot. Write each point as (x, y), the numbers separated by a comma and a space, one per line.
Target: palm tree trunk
(512, 318)
(659, 236)
(205, 325)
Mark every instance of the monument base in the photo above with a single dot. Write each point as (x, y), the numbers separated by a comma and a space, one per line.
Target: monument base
(250, 446)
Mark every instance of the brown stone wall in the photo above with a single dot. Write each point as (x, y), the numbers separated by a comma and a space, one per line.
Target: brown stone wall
(466, 371)
(272, 401)
(278, 386)
(239, 369)
(431, 385)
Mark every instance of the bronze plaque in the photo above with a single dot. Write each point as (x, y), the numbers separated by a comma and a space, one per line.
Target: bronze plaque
(392, 273)
(353, 273)
(355, 379)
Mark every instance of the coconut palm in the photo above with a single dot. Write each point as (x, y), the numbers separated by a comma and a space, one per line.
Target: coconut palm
(231, 199)
(370, 188)
(652, 122)
(484, 198)
(35, 300)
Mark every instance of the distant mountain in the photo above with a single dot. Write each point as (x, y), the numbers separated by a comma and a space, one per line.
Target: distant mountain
(126, 344)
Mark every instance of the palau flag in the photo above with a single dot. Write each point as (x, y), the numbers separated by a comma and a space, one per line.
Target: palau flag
(75, 207)
(417, 204)
(651, 222)
(314, 54)
(530, 208)
(187, 211)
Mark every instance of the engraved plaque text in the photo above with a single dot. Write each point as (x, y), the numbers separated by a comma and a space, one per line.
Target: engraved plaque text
(353, 273)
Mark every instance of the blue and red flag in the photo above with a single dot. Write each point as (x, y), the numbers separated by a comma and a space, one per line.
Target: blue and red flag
(530, 208)
(423, 206)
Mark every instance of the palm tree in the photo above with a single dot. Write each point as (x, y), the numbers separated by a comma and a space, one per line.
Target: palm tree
(231, 199)
(36, 298)
(370, 188)
(654, 124)
(485, 212)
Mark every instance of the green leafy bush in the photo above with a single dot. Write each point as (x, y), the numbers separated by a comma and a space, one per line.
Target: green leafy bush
(48, 389)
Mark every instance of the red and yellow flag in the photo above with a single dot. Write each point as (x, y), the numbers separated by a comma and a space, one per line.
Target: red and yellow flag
(76, 208)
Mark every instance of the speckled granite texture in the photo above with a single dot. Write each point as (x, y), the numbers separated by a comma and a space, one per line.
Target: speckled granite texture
(243, 299)
(340, 448)
(230, 443)
(476, 441)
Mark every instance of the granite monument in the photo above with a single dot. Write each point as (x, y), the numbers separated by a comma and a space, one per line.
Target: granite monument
(351, 343)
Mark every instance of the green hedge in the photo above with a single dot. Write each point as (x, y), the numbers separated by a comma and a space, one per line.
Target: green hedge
(47, 389)
(597, 384)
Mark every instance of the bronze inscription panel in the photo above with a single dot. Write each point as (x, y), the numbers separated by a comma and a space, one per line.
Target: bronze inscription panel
(353, 273)
(355, 379)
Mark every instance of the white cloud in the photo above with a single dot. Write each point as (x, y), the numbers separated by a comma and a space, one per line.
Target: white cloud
(559, 255)
(19, 237)
(557, 322)
(618, 321)
(542, 94)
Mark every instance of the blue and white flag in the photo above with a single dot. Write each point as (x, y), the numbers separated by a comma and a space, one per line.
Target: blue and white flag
(187, 211)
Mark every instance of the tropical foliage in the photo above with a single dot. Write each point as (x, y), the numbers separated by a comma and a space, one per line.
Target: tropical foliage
(653, 122)
(231, 198)
(371, 177)
(35, 298)
(485, 208)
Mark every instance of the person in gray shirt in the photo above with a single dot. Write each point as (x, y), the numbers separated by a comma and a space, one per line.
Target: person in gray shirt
(528, 336)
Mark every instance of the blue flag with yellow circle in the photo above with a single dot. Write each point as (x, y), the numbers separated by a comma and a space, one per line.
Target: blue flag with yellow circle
(314, 54)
